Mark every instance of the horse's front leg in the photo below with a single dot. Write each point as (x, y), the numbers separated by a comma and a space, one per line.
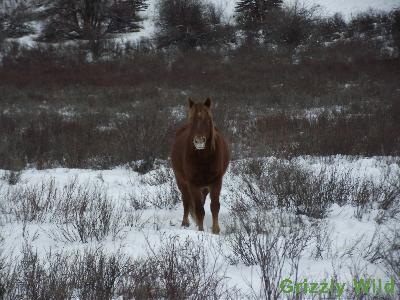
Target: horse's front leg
(186, 202)
(196, 196)
(215, 205)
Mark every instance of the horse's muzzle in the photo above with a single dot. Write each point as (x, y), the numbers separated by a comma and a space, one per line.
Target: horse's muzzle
(199, 142)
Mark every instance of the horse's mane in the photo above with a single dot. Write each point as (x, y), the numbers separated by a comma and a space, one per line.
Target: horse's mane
(181, 129)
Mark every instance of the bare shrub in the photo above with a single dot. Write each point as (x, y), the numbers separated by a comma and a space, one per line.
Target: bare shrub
(99, 275)
(189, 24)
(332, 27)
(36, 283)
(391, 255)
(90, 275)
(80, 212)
(162, 192)
(395, 16)
(267, 184)
(293, 25)
(137, 201)
(289, 185)
(165, 196)
(12, 177)
(311, 194)
(49, 139)
(30, 203)
(14, 20)
(88, 215)
(160, 197)
(270, 243)
(177, 270)
(91, 20)
(382, 194)
(369, 23)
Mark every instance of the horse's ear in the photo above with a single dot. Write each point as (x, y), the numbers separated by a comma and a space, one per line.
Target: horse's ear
(208, 102)
(190, 102)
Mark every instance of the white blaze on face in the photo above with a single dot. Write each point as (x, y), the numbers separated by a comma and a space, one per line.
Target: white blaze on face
(199, 142)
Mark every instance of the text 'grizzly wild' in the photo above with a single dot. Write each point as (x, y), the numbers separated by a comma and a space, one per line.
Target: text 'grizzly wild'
(199, 158)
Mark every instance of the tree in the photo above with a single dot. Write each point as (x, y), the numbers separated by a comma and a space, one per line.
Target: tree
(251, 14)
(395, 30)
(188, 24)
(92, 19)
(14, 20)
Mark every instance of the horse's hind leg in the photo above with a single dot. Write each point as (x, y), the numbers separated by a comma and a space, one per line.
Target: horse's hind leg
(197, 200)
(205, 193)
(214, 195)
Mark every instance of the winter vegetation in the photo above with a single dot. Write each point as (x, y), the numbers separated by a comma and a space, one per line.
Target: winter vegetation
(307, 95)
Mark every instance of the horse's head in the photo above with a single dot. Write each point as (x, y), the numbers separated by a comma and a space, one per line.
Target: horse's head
(201, 124)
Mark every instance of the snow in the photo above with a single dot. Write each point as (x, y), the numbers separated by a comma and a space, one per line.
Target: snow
(352, 7)
(152, 224)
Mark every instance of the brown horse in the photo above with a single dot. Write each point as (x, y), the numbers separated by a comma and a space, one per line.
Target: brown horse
(199, 158)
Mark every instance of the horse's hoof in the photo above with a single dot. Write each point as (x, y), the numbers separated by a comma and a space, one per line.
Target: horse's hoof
(201, 228)
(185, 223)
(215, 229)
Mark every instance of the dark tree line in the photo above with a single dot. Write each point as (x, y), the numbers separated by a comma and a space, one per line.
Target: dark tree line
(189, 23)
(92, 19)
(254, 13)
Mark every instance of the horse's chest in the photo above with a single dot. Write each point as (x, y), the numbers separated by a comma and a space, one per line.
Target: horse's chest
(203, 174)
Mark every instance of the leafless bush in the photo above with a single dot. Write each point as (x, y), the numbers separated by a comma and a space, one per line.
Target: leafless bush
(270, 243)
(163, 193)
(14, 20)
(91, 20)
(99, 275)
(390, 254)
(91, 275)
(88, 215)
(137, 201)
(369, 23)
(395, 16)
(392, 258)
(189, 24)
(80, 212)
(177, 270)
(12, 177)
(293, 187)
(50, 140)
(160, 197)
(310, 193)
(286, 184)
(165, 196)
(382, 194)
(30, 203)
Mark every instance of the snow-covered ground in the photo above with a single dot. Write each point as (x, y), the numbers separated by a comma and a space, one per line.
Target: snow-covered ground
(347, 237)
